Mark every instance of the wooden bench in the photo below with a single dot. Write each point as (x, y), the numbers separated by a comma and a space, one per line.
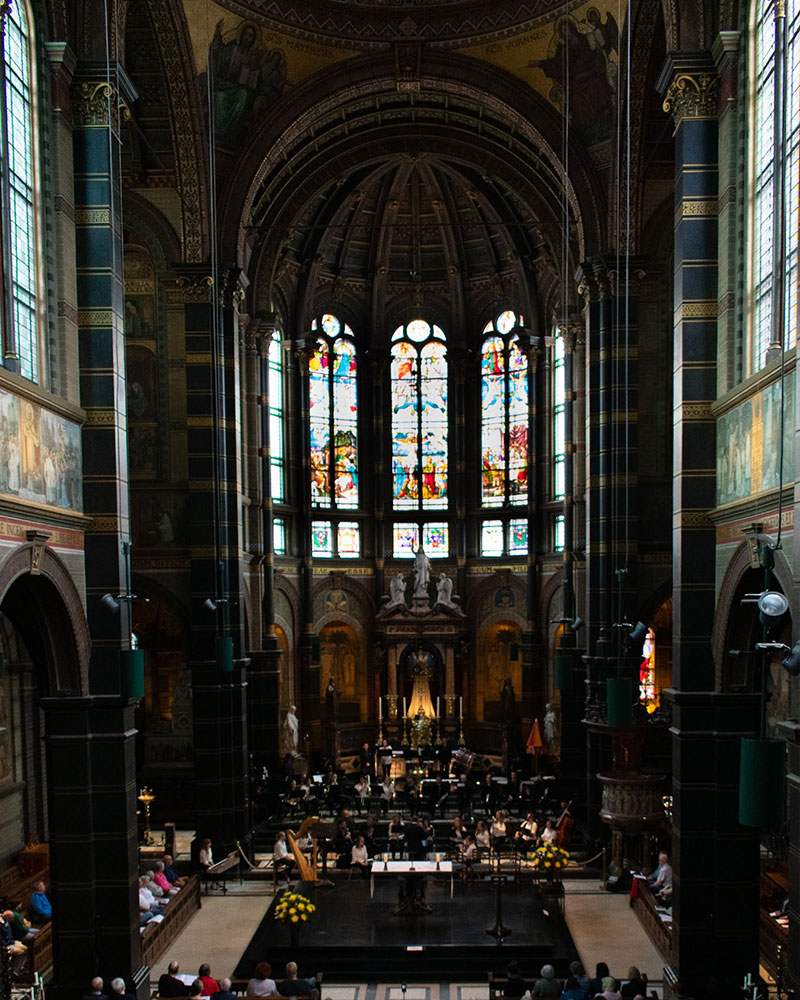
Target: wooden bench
(659, 931)
(158, 935)
(16, 885)
(240, 986)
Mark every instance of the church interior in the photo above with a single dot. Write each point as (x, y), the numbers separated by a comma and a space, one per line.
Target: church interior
(398, 419)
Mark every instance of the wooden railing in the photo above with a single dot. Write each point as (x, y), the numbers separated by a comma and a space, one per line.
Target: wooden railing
(177, 913)
(644, 906)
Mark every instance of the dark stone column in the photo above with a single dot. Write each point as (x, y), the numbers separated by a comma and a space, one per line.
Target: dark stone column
(93, 843)
(98, 245)
(791, 956)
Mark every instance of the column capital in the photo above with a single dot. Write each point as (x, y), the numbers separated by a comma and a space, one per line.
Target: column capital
(193, 283)
(594, 282)
(102, 95)
(690, 86)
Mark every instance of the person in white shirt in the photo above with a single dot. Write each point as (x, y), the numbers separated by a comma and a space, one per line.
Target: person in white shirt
(525, 837)
(148, 908)
(660, 881)
(387, 793)
(498, 829)
(359, 858)
(204, 855)
(549, 834)
(362, 791)
(281, 858)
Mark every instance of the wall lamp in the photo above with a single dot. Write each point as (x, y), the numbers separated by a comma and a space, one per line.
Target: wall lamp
(112, 604)
(637, 632)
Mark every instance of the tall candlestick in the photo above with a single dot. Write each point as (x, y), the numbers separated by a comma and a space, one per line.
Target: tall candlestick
(380, 709)
(460, 707)
(437, 706)
(405, 713)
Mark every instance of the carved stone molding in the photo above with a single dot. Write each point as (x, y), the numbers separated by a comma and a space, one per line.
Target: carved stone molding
(692, 95)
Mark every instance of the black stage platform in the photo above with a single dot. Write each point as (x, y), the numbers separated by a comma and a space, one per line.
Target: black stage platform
(354, 938)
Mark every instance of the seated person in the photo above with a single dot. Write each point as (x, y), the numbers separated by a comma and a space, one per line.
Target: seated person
(196, 989)
(169, 985)
(210, 986)
(280, 856)
(515, 985)
(547, 985)
(525, 837)
(659, 882)
(362, 793)
(161, 880)
(457, 833)
(204, 856)
(482, 836)
(20, 927)
(261, 985)
(294, 987)
(41, 910)
(119, 991)
(396, 836)
(147, 901)
(498, 828)
(170, 874)
(16, 949)
(224, 992)
(549, 835)
(359, 858)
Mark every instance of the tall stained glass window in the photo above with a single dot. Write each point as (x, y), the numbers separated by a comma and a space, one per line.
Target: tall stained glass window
(504, 404)
(419, 417)
(763, 174)
(20, 320)
(559, 422)
(333, 395)
(276, 418)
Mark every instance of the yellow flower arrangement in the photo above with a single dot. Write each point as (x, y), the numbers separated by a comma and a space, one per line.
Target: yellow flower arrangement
(293, 908)
(550, 858)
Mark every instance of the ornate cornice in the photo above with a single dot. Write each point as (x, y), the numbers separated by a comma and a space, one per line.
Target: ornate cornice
(692, 95)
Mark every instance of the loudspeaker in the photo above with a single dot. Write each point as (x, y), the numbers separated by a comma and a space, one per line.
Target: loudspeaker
(131, 672)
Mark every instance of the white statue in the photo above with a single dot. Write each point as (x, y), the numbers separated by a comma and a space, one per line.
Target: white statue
(444, 591)
(422, 573)
(397, 589)
(549, 725)
(292, 726)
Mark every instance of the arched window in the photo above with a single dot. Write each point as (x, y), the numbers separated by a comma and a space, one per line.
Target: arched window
(762, 175)
(419, 417)
(276, 422)
(559, 418)
(333, 396)
(504, 414)
(20, 314)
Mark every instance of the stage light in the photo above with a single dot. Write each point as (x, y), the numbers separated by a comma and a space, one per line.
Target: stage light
(209, 605)
(576, 624)
(110, 603)
(792, 662)
(638, 632)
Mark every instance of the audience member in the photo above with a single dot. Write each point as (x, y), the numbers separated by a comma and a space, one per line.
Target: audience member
(261, 985)
(171, 874)
(573, 990)
(119, 990)
(161, 880)
(224, 992)
(294, 987)
(169, 985)
(210, 986)
(547, 985)
(196, 989)
(637, 983)
(596, 984)
(148, 908)
(577, 970)
(610, 989)
(515, 985)
(660, 881)
(41, 910)
(20, 927)
(96, 992)
(16, 949)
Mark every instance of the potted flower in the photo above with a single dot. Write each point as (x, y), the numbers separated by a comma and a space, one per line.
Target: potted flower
(549, 861)
(293, 910)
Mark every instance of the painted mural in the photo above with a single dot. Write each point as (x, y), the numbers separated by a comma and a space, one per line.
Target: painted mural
(572, 62)
(498, 658)
(748, 444)
(40, 454)
(251, 65)
(140, 298)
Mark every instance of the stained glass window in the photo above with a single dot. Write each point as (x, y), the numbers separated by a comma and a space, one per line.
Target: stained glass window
(492, 541)
(17, 160)
(330, 540)
(558, 533)
(435, 540)
(559, 422)
(504, 409)
(333, 397)
(276, 417)
(348, 540)
(518, 536)
(279, 536)
(419, 417)
(321, 539)
(649, 696)
(763, 173)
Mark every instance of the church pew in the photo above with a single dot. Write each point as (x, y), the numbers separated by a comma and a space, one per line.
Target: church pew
(659, 932)
(157, 935)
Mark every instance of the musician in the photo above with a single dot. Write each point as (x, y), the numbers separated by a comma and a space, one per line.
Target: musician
(387, 794)
(385, 758)
(457, 833)
(281, 858)
(333, 793)
(430, 836)
(564, 826)
(342, 844)
(512, 792)
(362, 792)
(525, 837)
(414, 836)
(204, 856)
(367, 759)
(498, 829)
(549, 835)
(482, 836)
(396, 836)
(359, 857)
(489, 794)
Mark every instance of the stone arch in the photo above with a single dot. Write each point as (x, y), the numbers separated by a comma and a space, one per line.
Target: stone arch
(54, 609)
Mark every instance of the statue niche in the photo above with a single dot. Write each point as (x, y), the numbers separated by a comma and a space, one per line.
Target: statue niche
(498, 659)
(422, 665)
(341, 657)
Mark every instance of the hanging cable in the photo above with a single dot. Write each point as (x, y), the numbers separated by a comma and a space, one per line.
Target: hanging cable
(780, 275)
(627, 282)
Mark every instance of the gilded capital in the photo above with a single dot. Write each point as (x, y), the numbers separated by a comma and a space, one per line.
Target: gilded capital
(692, 95)
(99, 103)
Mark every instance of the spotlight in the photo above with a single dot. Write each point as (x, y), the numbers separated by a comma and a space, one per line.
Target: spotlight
(110, 603)
(209, 605)
(792, 662)
(576, 624)
(773, 604)
(638, 632)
